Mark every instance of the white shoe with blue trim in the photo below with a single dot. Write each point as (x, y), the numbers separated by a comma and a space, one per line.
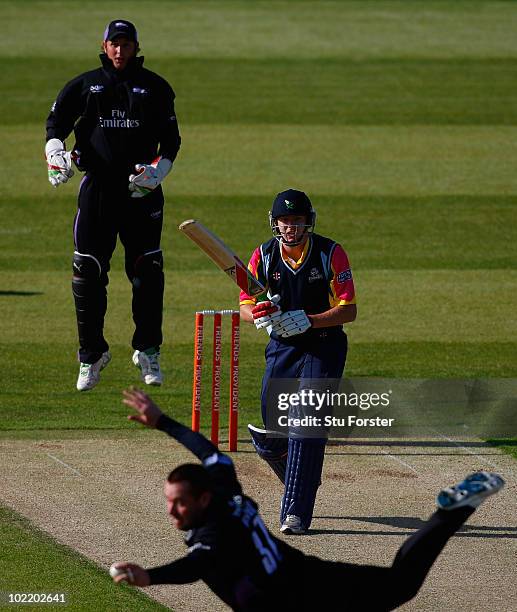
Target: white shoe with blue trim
(470, 492)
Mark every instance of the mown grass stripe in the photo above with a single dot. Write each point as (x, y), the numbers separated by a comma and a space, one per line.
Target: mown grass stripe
(42, 395)
(296, 28)
(330, 91)
(380, 232)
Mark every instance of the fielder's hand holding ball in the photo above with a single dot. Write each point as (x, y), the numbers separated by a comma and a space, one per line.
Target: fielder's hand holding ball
(130, 573)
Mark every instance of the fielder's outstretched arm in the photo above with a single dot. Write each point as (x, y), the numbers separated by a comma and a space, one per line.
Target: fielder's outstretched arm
(150, 415)
(182, 571)
(219, 465)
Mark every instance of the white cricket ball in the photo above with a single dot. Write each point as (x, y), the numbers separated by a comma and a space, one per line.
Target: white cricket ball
(116, 571)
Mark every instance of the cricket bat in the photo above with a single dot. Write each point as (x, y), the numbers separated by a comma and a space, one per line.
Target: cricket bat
(222, 256)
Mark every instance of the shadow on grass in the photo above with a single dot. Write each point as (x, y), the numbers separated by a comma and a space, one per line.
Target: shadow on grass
(20, 293)
(503, 442)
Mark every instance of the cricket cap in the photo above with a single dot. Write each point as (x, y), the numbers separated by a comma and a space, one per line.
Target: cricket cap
(291, 202)
(120, 27)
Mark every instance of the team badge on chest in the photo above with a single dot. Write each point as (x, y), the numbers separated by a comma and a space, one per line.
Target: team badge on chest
(315, 275)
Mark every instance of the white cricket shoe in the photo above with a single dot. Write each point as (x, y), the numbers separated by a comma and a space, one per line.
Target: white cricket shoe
(470, 492)
(149, 366)
(90, 373)
(292, 525)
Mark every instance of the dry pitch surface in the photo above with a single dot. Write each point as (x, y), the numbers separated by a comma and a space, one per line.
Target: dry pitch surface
(104, 498)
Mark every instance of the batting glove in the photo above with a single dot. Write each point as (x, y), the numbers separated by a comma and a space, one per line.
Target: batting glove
(266, 313)
(59, 162)
(148, 177)
(292, 323)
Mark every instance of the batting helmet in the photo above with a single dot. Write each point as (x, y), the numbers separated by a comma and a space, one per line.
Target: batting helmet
(292, 202)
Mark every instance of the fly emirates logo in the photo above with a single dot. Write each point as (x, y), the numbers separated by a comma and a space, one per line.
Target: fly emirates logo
(118, 119)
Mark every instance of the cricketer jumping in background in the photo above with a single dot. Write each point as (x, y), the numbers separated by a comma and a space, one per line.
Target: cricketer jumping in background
(309, 282)
(126, 139)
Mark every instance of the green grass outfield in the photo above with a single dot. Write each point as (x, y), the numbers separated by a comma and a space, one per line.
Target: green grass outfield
(38, 564)
(398, 118)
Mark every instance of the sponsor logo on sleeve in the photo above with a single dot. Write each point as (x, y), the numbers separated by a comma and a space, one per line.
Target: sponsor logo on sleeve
(344, 276)
(96, 88)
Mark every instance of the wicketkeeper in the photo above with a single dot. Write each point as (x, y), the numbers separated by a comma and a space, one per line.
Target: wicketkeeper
(309, 281)
(126, 140)
(232, 551)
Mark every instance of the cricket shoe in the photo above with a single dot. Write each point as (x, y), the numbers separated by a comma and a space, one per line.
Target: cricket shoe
(90, 373)
(292, 525)
(470, 492)
(149, 365)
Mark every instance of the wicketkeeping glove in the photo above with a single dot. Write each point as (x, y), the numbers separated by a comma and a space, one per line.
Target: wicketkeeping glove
(291, 323)
(266, 313)
(59, 162)
(148, 177)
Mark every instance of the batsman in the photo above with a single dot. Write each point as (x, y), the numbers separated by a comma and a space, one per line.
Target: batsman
(311, 291)
(126, 140)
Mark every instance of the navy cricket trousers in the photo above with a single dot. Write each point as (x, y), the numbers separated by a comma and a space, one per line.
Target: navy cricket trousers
(105, 212)
(319, 355)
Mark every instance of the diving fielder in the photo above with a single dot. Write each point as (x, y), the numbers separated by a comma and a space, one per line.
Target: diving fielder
(232, 551)
(126, 139)
(310, 282)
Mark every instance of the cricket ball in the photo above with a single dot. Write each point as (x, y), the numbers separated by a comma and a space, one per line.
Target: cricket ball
(116, 571)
